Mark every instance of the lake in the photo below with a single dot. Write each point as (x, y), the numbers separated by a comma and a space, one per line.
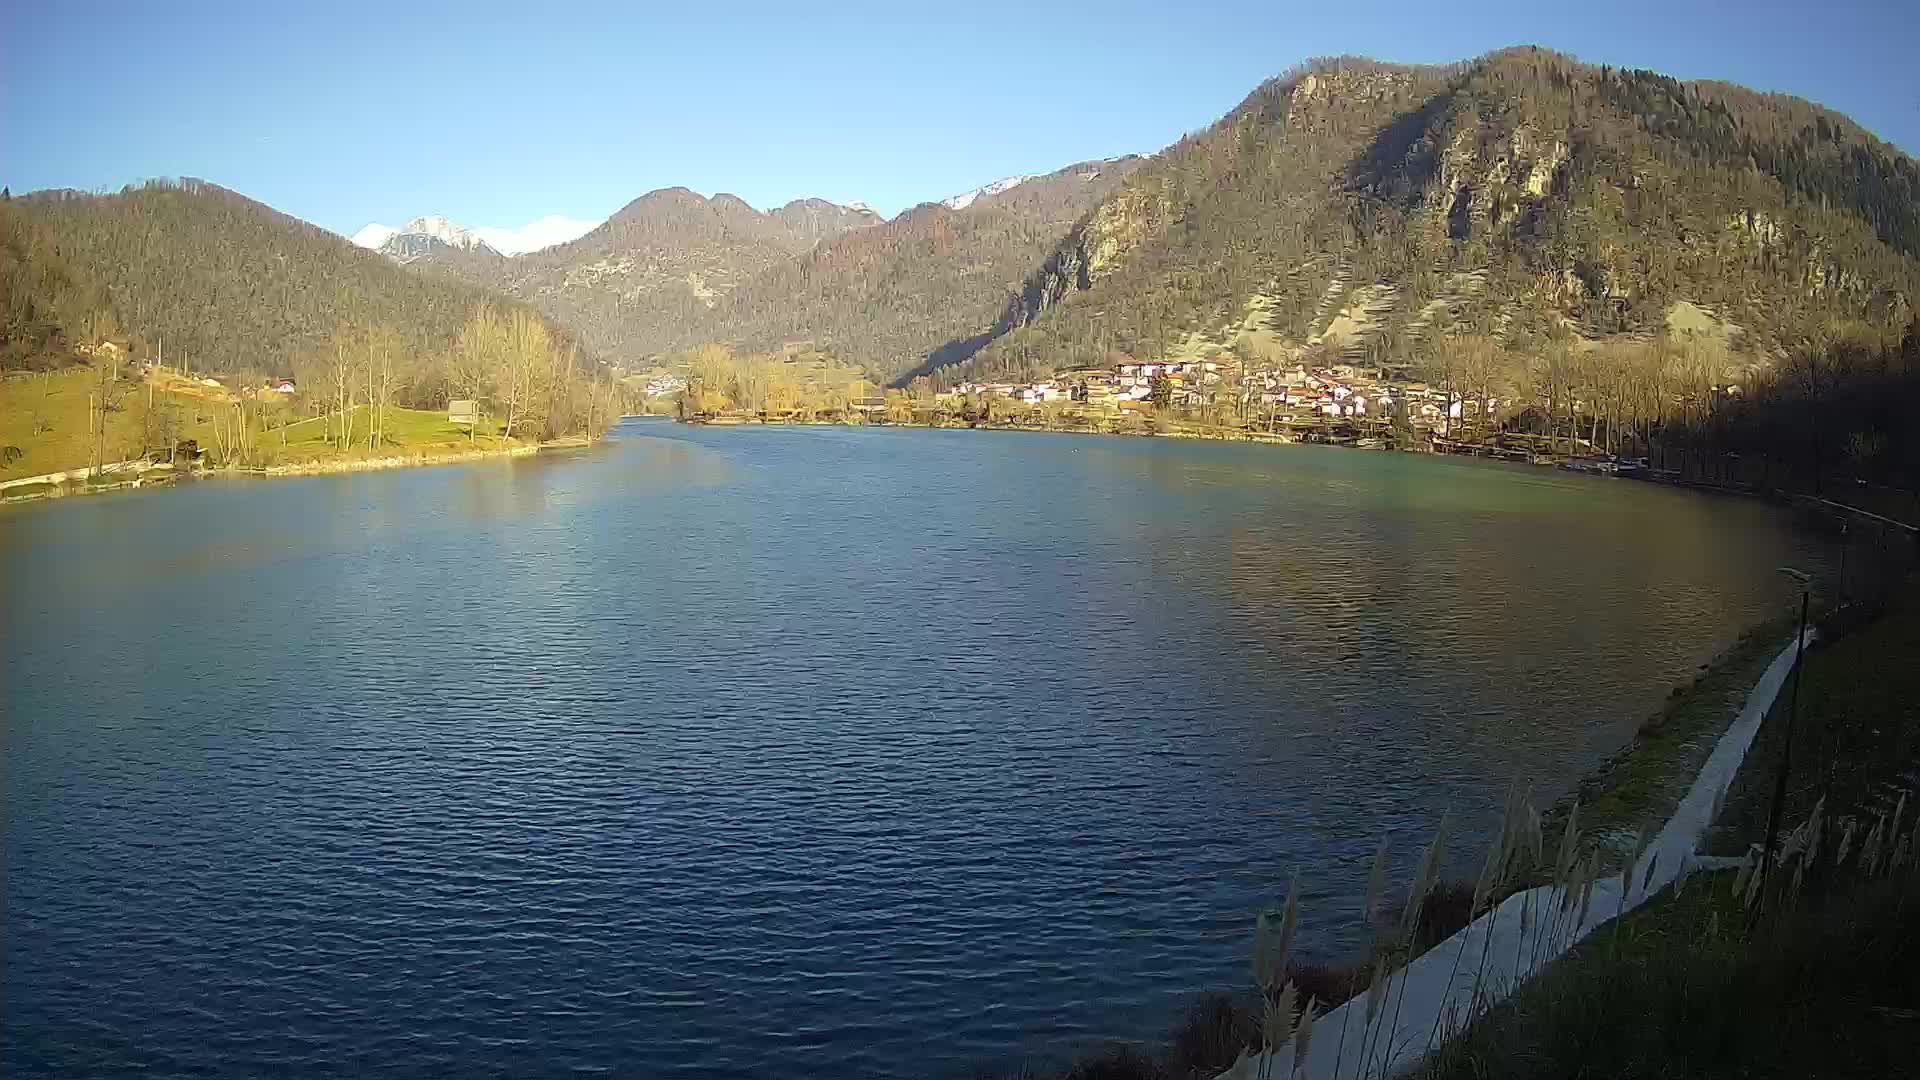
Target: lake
(809, 752)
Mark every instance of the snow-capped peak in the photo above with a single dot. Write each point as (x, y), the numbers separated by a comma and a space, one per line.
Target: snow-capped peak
(540, 233)
(860, 207)
(374, 235)
(966, 199)
(377, 235)
(441, 229)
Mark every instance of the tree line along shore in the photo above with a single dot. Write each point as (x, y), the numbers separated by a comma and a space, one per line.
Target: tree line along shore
(121, 414)
(1826, 421)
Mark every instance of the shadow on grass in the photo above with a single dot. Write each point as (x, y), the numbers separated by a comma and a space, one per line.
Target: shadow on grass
(1675, 989)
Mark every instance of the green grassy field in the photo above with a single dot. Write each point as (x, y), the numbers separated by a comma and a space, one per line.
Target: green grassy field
(424, 432)
(1682, 988)
(48, 417)
(1856, 740)
(1826, 982)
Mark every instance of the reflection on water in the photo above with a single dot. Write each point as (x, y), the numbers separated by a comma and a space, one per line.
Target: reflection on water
(759, 751)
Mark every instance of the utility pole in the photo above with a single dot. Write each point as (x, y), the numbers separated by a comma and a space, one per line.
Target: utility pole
(1786, 749)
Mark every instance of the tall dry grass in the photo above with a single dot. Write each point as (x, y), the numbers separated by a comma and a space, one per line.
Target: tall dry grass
(1820, 859)
(1430, 912)
(1816, 972)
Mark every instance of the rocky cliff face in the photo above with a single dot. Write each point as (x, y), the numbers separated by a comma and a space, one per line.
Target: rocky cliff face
(405, 246)
(1371, 208)
(1311, 111)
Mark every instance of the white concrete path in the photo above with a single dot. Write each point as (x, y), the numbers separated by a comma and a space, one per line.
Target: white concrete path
(1439, 986)
(132, 466)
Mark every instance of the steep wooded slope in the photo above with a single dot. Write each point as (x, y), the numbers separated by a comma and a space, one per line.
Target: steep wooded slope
(224, 282)
(920, 290)
(1373, 208)
(646, 277)
(673, 269)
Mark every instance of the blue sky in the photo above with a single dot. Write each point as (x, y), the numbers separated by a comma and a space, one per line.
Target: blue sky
(494, 114)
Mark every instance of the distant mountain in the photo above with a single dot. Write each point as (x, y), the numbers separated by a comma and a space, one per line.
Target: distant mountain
(1375, 211)
(815, 220)
(646, 278)
(1351, 208)
(445, 231)
(998, 187)
(673, 269)
(405, 247)
(922, 290)
(425, 237)
(372, 235)
(417, 238)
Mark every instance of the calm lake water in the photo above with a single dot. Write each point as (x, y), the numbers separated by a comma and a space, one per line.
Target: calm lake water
(803, 752)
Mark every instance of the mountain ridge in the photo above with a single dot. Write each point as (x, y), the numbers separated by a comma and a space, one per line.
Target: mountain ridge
(1348, 208)
(661, 273)
(419, 235)
(1378, 209)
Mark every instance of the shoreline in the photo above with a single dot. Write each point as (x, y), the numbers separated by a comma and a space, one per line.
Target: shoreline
(1204, 435)
(58, 485)
(1196, 432)
(323, 467)
(1640, 784)
(1433, 989)
(1777, 496)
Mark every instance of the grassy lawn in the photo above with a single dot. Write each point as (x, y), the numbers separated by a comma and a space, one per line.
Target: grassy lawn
(1826, 985)
(424, 432)
(1678, 988)
(48, 418)
(1856, 739)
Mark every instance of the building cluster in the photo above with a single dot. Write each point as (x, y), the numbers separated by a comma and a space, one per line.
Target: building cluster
(1296, 393)
(664, 384)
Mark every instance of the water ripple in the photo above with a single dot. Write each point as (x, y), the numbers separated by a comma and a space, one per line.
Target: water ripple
(810, 752)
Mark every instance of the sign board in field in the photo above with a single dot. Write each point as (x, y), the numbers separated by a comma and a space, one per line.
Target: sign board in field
(463, 413)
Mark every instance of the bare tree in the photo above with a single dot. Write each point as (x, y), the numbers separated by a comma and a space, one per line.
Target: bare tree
(384, 348)
(478, 358)
(342, 374)
(524, 368)
(100, 402)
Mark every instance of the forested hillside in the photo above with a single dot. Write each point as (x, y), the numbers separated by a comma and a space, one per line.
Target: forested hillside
(1522, 203)
(1375, 211)
(216, 284)
(814, 220)
(642, 281)
(921, 290)
(46, 306)
(220, 282)
(673, 269)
